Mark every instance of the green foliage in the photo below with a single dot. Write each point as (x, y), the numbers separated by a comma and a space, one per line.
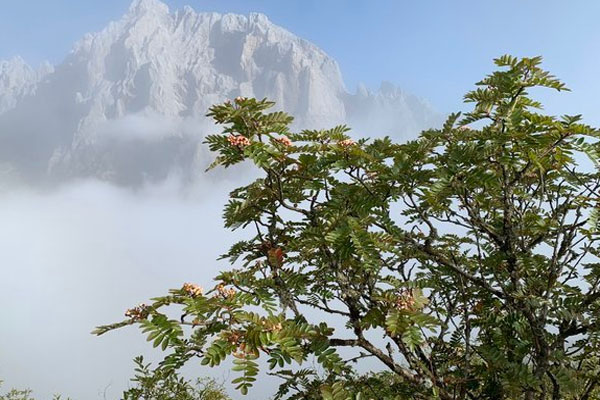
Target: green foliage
(15, 394)
(472, 252)
(161, 385)
(25, 394)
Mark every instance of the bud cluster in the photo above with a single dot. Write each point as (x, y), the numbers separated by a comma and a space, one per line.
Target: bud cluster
(272, 328)
(224, 292)
(138, 313)
(238, 141)
(372, 175)
(241, 351)
(284, 140)
(346, 142)
(234, 337)
(192, 289)
(276, 328)
(405, 301)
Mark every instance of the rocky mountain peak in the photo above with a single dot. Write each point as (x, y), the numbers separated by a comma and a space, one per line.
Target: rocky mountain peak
(18, 79)
(139, 7)
(129, 102)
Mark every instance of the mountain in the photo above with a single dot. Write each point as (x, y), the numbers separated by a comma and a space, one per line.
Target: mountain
(17, 80)
(389, 111)
(128, 103)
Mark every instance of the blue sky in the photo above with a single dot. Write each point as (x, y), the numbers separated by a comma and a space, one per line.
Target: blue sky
(435, 49)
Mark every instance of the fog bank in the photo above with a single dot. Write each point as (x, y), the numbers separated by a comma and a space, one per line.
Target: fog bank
(79, 256)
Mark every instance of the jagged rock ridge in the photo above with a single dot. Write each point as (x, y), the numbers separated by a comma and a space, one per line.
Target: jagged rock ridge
(17, 80)
(128, 103)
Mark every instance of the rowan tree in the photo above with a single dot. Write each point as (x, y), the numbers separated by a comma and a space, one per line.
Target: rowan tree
(465, 261)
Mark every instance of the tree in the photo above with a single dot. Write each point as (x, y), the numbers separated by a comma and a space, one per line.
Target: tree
(22, 394)
(15, 394)
(162, 384)
(465, 261)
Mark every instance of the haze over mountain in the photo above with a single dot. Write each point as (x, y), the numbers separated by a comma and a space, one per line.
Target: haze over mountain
(128, 103)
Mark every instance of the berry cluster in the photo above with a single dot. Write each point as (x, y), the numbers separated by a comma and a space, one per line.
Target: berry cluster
(238, 141)
(192, 289)
(138, 313)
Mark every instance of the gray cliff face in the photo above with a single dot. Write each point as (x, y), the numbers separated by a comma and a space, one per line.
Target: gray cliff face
(128, 104)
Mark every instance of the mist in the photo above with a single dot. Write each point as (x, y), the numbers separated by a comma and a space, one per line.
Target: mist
(103, 203)
(76, 254)
(77, 257)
